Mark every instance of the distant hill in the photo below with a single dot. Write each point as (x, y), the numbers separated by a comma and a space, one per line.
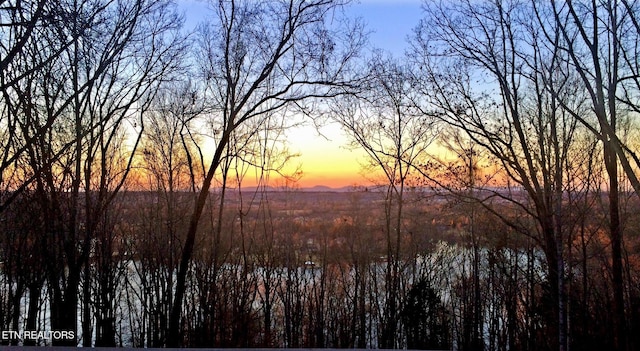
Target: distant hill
(324, 188)
(313, 189)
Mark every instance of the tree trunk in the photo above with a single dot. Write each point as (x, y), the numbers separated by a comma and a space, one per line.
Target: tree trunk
(35, 290)
(616, 249)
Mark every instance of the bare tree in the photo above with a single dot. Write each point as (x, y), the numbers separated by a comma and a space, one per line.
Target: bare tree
(385, 122)
(600, 40)
(75, 113)
(39, 37)
(467, 52)
(257, 58)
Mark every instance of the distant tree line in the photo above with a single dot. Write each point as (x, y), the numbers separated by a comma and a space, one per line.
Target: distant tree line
(506, 141)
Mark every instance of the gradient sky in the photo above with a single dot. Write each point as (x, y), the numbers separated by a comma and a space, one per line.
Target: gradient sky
(331, 162)
(325, 159)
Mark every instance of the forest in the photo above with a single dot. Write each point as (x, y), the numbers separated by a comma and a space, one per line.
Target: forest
(138, 163)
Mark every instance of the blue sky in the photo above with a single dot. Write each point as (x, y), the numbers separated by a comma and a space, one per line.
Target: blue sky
(390, 21)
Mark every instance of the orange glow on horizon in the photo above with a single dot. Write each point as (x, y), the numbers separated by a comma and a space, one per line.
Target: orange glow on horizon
(324, 159)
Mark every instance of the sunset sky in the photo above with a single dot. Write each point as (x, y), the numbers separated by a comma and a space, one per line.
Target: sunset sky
(327, 160)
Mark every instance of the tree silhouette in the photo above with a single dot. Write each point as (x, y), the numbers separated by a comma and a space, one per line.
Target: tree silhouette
(425, 318)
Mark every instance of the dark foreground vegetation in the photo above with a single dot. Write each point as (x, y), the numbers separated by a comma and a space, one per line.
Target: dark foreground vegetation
(503, 145)
(305, 269)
